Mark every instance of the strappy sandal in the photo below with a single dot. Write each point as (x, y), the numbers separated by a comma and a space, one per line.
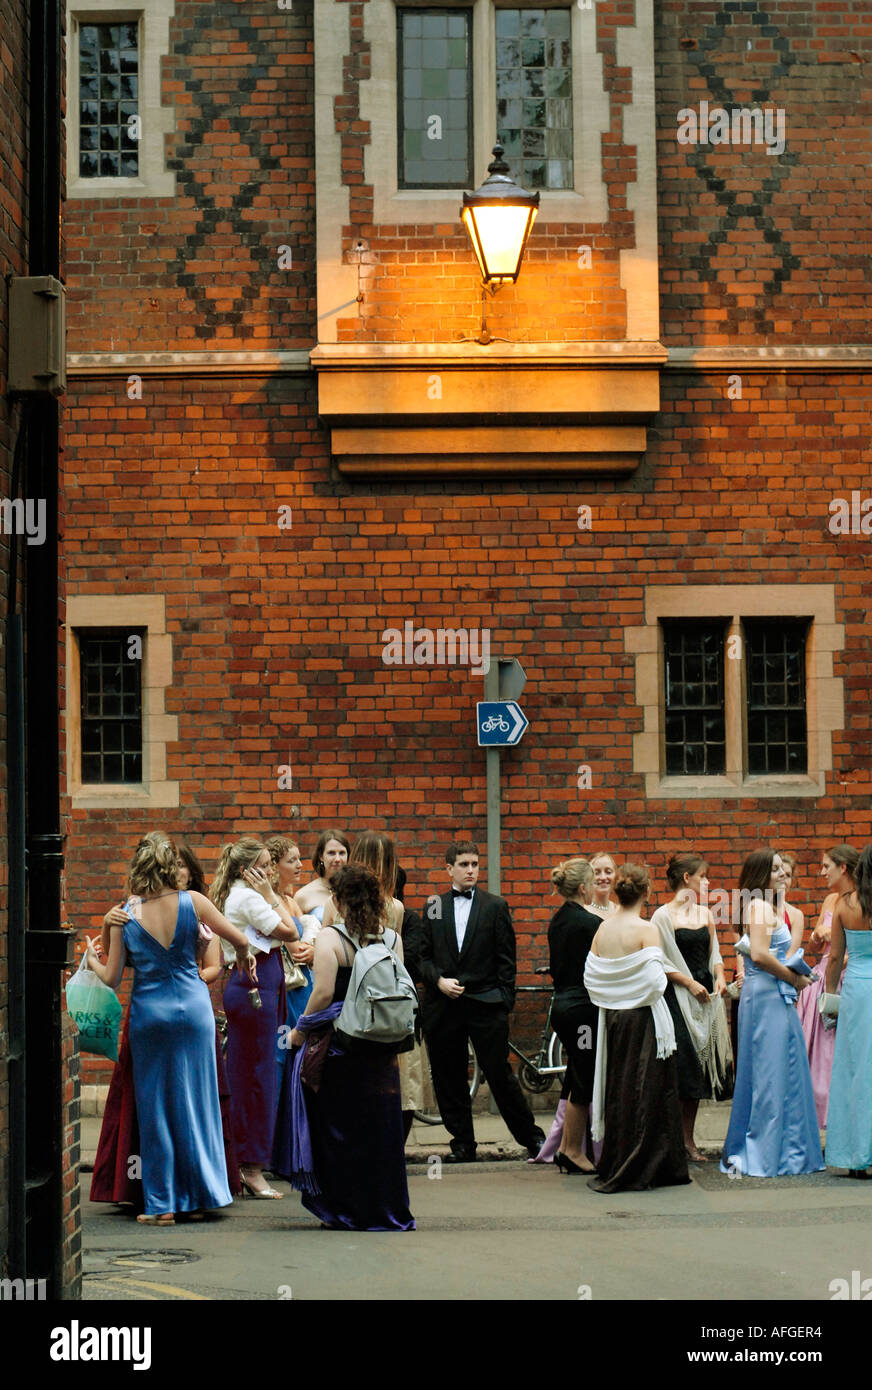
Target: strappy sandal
(263, 1195)
(166, 1218)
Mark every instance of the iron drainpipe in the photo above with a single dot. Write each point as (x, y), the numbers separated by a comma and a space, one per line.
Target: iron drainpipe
(15, 828)
(48, 949)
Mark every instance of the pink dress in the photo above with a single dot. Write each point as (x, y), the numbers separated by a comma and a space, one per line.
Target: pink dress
(819, 1043)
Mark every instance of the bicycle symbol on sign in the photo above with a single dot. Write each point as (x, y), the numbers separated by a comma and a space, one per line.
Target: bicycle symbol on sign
(495, 721)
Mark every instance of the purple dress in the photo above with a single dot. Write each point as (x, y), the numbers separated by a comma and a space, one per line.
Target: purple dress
(251, 1056)
(358, 1148)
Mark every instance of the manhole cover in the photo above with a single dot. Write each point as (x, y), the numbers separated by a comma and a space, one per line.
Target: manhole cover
(154, 1257)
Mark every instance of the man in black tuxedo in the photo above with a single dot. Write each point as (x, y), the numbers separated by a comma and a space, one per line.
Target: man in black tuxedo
(467, 955)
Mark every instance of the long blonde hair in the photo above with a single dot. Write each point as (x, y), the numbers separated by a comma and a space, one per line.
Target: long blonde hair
(235, 859)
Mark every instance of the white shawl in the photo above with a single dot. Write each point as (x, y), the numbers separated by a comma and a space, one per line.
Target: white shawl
(630, 982)
(705, 1023)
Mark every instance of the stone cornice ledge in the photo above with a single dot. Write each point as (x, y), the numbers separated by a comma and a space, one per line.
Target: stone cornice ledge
(856, 357)
(378, 356)
(95, 364)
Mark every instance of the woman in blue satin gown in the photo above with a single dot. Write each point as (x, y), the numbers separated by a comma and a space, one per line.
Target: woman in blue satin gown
(773, 1128)
(172, 1035)
(849, 1117)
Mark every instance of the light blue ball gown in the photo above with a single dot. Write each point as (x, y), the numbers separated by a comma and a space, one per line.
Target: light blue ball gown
(849, 1118)
(172, 1043)
(773, 1128)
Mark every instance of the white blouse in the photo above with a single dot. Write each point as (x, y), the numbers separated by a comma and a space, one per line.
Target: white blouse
(247, 910)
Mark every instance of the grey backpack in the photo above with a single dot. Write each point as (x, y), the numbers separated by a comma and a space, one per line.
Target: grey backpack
(381, 1007)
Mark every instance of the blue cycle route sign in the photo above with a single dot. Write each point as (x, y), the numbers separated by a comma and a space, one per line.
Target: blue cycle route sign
(500, 723)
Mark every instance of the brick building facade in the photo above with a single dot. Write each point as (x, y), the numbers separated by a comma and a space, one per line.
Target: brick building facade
(282, 439)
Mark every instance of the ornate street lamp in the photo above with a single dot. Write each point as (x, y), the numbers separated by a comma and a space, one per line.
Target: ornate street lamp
(499, 217)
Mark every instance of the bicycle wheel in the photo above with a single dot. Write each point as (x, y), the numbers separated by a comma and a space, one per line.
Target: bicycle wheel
(474, 1073)
(532, 1080)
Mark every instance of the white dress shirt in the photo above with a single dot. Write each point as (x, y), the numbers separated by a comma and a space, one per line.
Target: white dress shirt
(462, 909)
(247, 910)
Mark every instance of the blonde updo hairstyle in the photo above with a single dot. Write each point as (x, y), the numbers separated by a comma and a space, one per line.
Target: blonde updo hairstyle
(234, 861)
(632, 882)
(153, 866)
(571, 875)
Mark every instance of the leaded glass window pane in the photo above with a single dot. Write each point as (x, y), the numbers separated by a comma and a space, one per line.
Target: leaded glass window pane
(777, 727)
(534, 95)
(434, 86)
(108, 98)
(111, 687)
(695, 708)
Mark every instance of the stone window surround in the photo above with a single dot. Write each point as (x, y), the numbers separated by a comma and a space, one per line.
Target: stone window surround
(154, 179)
(148, 612)
(587, 202)
(732, 602)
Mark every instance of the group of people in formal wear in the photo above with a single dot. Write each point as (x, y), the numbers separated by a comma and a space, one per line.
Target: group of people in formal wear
(640, 1008)
(639, 1005)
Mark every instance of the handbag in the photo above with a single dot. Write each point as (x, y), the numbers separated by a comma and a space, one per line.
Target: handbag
(294, 977)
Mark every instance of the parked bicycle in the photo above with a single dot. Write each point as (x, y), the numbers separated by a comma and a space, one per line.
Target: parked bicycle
(536, 1073)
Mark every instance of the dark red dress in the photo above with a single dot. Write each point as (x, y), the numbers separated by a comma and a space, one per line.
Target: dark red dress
(119, 1135)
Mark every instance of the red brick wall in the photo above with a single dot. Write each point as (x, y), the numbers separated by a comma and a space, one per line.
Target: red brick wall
(277, 649)
(202, 270)
(757, 248)
(277, 652)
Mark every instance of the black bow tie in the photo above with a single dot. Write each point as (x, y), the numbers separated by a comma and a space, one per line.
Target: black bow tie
(461, 892)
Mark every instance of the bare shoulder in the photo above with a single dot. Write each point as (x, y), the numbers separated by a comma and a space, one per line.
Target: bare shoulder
(795, 917)
(649, 934)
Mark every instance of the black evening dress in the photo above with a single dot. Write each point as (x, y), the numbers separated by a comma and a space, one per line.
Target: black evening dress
(358, 1147)
(573, 1016)
(643, 1144)
(694, 943)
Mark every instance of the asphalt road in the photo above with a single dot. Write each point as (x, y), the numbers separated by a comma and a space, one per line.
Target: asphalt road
(507, 1231)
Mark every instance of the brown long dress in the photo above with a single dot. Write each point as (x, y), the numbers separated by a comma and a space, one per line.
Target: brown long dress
(643, 1143)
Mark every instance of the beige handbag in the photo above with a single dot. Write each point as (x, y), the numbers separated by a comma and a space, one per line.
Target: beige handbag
(294, 977)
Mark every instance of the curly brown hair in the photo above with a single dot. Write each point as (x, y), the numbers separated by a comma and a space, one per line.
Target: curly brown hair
(359, 898)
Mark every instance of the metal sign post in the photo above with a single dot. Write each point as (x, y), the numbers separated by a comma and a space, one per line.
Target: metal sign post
(504, 681)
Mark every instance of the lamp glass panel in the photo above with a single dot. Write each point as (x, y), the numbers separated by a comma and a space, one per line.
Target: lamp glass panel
(500, 233)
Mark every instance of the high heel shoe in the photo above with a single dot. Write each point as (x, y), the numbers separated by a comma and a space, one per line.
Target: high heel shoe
(566, 1165)
(269, 1193)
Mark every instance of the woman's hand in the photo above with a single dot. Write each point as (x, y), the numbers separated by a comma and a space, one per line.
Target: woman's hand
(258, 879)
(302, 952)
(799, 982)
(247, 967)
(115, 917)
(821, 935)
(699, 991)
